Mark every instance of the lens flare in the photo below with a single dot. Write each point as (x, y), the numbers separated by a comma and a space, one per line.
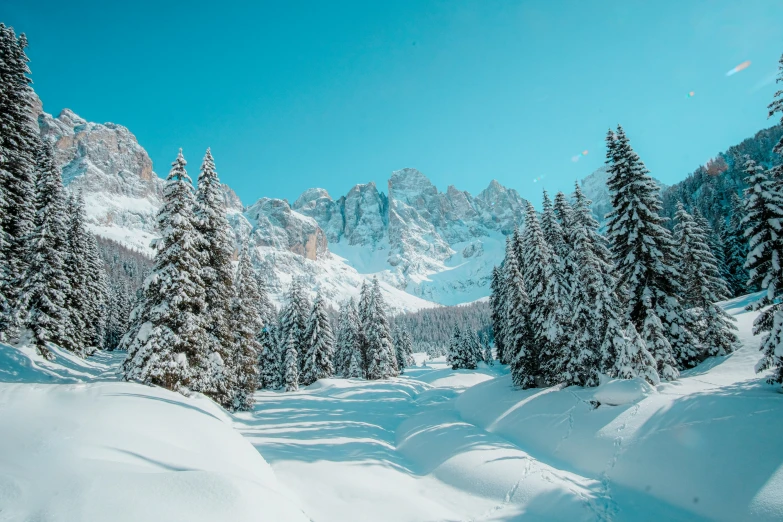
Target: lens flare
(691, 94)
(743, 65)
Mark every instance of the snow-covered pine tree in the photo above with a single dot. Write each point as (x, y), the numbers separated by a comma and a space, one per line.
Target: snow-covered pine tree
(217, 250)
(269, 367)
(167, 344)
(659, 346)
(87, 295)
(583, 217)
(404, 350)
(381, 359)
(498, 305)
(356, 364)
(266, 310)
(564, 212)
(763, 218)
(454, 355)
(713, 244)
(633, 360)
(364, 313)
(19, 147)
(521, 350)
(553, 231)
(244, 323)
(293, 319)
(264, 305)
(76, 295)
(290, 364)
(486, 349)
(703, 287)
(319, 345)
(347, 338)
(735, 249)
(594, 305)
(42, 296)
(546, 317)
(643, 249)
(97, 284)
(471, 348)
(554, 235)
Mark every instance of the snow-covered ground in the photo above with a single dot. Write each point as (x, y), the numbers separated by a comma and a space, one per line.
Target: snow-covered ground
(435, 444)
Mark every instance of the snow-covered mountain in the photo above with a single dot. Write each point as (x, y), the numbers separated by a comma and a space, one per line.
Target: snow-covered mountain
(427, 247)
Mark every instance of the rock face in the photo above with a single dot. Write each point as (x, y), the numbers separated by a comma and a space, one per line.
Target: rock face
(432, 244)
(424, 245)
(123, 196)
(276, 225)
(113, 172)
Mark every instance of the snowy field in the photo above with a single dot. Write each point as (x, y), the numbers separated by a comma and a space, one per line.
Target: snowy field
(436, 444)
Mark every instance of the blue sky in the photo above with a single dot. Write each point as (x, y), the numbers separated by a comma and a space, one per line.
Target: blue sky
(292, 95)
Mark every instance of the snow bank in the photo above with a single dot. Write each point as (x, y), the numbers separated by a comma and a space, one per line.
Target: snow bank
(620, 391)
(706, 444)
(122, 452)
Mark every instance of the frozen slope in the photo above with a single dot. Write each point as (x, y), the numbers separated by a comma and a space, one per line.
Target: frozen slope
(102, 450)
(432, 445)
(443, 445)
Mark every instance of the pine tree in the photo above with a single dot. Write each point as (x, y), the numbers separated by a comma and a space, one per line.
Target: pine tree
(498, 305)
(594, 304)
(381, 359)
(290, 364)
(658, 346)
(404, 349)
(486, 349)
(319, 345)
(270, 370)
(216, 249)
(97, 285)
(347, 338)
(244, 323)
(167, 343)
(19, 150)
(76, 295)
(521, 348)
(713, 247)
(356, 364)
(633, 360)
(42, 297)
(547, 315)
(471, 348)
(364, 314)
(735, 249)
(87, 294)
(454, 356)
(764, 221)
(643, 249)
(293, 320)
(703, 286)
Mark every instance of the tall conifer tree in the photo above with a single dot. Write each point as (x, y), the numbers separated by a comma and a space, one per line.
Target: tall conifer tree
(167, 344)
(643, 249)
(44, 287)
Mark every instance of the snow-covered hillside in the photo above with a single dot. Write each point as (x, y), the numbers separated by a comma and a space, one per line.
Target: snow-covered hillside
(435, 444)
(76, 446)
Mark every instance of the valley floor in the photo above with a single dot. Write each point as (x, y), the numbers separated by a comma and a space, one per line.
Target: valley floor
(433, 445)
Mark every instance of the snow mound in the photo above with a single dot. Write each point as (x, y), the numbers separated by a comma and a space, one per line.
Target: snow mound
(121, 451)
(618, 392)
(25, 365)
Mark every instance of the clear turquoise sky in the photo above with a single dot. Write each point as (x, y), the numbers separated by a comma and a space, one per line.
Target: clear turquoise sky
(294, 94)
